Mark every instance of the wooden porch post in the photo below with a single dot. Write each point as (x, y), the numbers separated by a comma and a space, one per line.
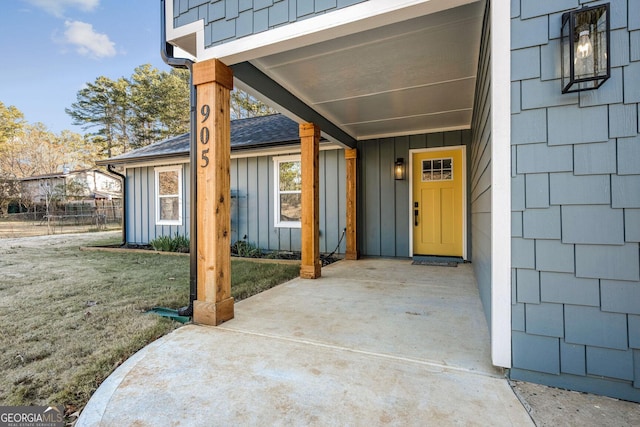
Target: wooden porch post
(213, 81)
(351, 160)
(310, 145)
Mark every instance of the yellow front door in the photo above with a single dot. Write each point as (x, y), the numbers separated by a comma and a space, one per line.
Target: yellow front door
(437, 205)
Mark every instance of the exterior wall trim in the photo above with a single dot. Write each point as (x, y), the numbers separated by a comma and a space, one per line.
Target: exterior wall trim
(156, 194)
(355, 18)
(501, 183)
(277, 222)
(415, 132)
(464, 193)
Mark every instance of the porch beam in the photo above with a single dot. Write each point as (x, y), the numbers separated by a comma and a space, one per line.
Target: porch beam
(251, 76)
(309, 155)
(351, 160)
(213, 81)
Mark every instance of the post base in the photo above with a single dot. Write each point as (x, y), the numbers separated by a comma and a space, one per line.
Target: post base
(310, 271)
(212, 313)
(352, 255)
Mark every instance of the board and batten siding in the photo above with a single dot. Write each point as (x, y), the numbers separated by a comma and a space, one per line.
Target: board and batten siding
(140, 212)
(383, 202)
(480, 177)
(575, 208)
(252, 181)
(227, 20)
(252, 205)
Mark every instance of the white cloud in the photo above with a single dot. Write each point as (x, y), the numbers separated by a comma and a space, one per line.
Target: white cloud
(57, 7)
(87, 41)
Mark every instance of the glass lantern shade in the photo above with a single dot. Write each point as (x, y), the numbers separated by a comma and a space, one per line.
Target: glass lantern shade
(398, 169)
(585, 48)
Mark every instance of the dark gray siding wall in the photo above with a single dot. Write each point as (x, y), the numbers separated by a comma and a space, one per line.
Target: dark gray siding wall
(252, 180)
(480, 177)
(383, 203)
(252, 207)
(576, 208)
(226, 20)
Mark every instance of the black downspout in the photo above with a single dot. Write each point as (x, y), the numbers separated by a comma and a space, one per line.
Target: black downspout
(166, 51)
(124, 198)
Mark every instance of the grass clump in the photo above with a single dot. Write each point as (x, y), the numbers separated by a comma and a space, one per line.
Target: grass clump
(176, 243)
(245, 249)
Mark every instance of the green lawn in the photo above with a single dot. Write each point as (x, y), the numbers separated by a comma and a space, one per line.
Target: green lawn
(69, 318)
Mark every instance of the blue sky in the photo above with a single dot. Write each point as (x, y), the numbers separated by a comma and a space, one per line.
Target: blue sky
(51, 48)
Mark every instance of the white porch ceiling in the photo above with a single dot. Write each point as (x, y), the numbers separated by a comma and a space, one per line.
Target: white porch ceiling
(409, 77)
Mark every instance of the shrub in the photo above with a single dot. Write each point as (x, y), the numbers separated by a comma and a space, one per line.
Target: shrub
(177, 243)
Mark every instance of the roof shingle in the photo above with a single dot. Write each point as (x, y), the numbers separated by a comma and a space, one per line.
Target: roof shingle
(254, 132)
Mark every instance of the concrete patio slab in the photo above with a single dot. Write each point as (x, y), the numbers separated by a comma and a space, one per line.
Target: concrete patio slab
(391, 307)
(373, 342)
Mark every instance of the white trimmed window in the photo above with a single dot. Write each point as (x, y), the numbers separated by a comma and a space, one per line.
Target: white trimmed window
(169, 195)
(288, 191)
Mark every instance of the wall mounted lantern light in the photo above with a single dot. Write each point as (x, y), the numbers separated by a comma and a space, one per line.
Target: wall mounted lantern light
(398, 169)
(585, 48)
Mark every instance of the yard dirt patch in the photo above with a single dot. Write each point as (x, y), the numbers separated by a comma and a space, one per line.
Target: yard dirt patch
(70, 317)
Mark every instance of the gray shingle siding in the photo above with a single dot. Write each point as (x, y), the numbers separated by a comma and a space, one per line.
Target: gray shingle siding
(576, 191)
(593, 327)
(542, 223)
(573, 359)
(634, 332)
(537, 190)
(527, 286)
(592, 224)
(635, 46)
(595, 159)
(227, 20)
(545, 319)
(536, 352)
(569, 289)
(552, 255)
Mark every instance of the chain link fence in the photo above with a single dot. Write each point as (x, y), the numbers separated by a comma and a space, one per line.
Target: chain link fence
(72, 217)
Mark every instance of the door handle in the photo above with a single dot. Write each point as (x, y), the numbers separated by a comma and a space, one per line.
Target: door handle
(416, 215)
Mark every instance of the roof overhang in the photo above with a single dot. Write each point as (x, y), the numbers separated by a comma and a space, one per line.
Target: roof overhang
(375, 69)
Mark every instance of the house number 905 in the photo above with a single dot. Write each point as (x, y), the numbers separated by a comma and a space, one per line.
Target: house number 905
(204, 135)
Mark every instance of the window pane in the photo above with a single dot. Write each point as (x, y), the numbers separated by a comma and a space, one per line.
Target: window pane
(169, 207)
(426, 170)
(168, 182)
(437, 170)
(290, 177)
(290, 207)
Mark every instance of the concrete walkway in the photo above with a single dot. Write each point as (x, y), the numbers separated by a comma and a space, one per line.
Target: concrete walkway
(373, 342)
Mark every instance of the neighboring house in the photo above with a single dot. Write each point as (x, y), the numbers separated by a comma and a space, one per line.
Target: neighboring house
(79, 185)
(539, 189)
